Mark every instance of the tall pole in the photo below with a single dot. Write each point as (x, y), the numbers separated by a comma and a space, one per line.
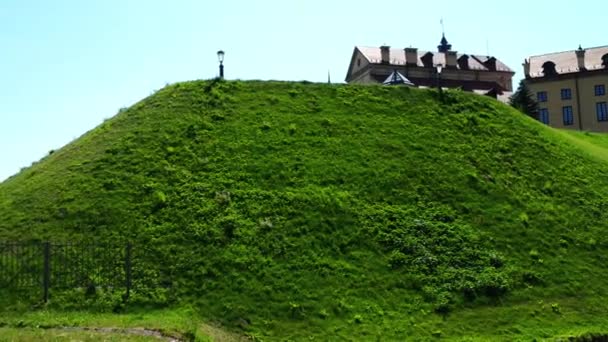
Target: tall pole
(128, 269)
(46, 276)
(439, 68)
(220, 58)
(439, 82)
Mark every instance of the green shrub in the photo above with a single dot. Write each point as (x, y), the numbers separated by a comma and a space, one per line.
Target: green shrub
(447, 254)
(534, 254)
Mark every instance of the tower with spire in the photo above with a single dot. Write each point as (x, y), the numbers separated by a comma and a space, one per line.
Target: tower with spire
(443, 46)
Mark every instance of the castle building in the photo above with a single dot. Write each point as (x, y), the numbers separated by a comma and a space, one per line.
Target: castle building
(476, 73)
(570, 88)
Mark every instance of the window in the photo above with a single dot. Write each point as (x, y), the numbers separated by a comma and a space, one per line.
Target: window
(359, 62)
(600, 90)
(568, 116)
(544, 115)
(602, 111)
(541, 96)
(566, 94)
(549, 69)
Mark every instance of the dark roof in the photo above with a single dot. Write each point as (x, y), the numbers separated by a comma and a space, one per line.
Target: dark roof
(566, 61)
(397, 57)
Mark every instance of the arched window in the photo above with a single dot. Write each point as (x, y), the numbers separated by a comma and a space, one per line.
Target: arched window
(605, 61)
(549, 68)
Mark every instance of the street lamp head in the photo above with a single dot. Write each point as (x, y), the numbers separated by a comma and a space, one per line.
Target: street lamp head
(439, 68)
(220, 56)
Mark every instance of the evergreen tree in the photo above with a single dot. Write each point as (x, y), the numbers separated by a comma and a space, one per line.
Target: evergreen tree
(524, 101)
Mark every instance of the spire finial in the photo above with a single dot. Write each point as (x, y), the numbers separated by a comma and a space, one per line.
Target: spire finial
(443, 46)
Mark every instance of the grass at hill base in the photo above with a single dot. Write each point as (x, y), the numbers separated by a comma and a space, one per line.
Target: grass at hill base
(56, 335)
(58, 325)
(293, 211)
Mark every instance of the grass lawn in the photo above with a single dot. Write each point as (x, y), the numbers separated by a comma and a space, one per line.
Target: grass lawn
(298, 211)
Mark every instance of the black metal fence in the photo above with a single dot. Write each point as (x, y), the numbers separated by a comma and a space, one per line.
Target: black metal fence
(49, 266)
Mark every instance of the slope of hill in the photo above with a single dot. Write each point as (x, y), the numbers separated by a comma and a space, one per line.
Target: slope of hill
(294, 210)
(595, 144)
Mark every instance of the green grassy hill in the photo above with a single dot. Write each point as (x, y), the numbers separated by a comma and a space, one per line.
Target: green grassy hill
(294, 210)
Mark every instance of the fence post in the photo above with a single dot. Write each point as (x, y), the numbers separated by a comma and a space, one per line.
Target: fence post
(46, 278)
(128, 270)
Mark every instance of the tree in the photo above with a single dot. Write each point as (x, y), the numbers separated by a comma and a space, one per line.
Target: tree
(523, 100)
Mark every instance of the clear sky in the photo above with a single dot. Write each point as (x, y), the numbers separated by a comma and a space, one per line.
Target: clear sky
(66, 65)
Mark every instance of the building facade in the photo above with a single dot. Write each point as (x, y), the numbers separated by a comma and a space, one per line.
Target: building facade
(481, 74)
(570, 88)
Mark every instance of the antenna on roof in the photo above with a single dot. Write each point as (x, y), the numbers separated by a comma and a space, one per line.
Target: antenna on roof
(487, 46)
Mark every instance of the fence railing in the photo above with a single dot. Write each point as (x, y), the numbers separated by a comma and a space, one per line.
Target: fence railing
(49, 266)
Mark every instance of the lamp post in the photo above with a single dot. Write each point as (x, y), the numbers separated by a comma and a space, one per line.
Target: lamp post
(220, 58)
(439, 68)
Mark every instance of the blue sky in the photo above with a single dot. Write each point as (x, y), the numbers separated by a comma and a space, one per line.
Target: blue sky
(66, 65)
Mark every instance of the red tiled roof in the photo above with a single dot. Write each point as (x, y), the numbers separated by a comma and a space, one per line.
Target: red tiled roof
(397, 57)
(566, 62)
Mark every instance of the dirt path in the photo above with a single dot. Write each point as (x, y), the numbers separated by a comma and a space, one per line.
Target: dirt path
(127, 331)
(56, 333)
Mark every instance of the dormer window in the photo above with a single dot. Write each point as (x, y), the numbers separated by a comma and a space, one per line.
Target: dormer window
(549, 69)
(463, 62)
(427, 60)
(490, 63)
(605, 61)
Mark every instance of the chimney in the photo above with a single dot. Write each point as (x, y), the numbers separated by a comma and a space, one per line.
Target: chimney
(526, 65)
(411, 56)
(451, 59)
(580, 58)
(385, 54)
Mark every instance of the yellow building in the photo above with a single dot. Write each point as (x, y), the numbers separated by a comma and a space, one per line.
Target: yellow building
(570, 88)
(480, 74)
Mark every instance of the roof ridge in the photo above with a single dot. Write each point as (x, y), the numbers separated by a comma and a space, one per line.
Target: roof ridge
(424, 50)
(559, 52)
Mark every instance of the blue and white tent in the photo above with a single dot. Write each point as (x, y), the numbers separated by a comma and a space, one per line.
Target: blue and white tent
(396, 78)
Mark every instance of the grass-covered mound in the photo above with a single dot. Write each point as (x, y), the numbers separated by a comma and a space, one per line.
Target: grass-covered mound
(291, 210)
